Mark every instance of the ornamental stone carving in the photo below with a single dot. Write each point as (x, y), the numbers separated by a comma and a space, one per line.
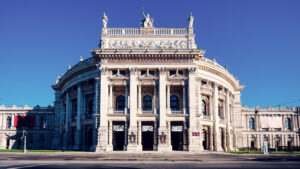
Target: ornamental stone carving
(137, 44)
(104, 70)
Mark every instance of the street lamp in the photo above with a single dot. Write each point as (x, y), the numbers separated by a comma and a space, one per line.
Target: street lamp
(24, 141)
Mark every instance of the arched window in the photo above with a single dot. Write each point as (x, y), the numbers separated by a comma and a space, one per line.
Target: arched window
(91, 107)
(8, 122)
(204, 111)
(251, 124)
(120, 104)
(288, 123)
(147, 103)
(174, 102)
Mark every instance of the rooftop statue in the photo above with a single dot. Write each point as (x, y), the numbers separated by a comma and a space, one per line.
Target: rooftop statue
(191, 21)
(147, 22)
(104, 20)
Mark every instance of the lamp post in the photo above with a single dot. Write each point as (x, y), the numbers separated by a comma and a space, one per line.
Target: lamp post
(24, 141)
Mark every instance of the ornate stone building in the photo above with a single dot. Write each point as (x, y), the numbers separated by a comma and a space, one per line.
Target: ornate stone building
(36, 121)
(152, 89)
(278, 126)
(147, 89)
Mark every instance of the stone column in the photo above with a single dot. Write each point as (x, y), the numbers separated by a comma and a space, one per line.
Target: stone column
(217, 140)
(140, 147)
(103, 131)
(194, 141)
(155, 136)
(183, 99)
(140, 99)
(163, 130)
(211, 112)
(111, 98)
(66, 134)
(126, 136)
(132, 147)
(168, 99)
(154, 100)
(78, 125)
(199, 98)
(228, 134)
(12, 126)
(126, 99)
(110, 135)
(96, 113)
(57, 125)
(4, 117)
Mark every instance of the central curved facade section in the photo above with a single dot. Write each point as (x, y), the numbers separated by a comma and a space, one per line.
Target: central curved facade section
(147, 89)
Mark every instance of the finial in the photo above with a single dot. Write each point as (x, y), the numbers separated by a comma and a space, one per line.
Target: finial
(225, 67)
(214, 58)
(69, 67)
(81, 59)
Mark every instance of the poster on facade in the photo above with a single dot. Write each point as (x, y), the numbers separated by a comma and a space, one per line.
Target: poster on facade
(118, 127)
(270, 122)
(177, 128)
(147, 128)
(24, 121)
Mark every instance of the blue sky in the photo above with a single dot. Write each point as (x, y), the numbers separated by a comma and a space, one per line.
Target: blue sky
(259, 41)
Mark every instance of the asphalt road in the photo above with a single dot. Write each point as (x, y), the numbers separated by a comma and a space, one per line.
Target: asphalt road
(125, 160)
(147, 164)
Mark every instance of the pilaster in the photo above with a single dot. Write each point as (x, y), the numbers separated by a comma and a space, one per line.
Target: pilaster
(216, 128)
(132, 145)
(103, 131)
(194, 139)
(163, 130)
(78, 125)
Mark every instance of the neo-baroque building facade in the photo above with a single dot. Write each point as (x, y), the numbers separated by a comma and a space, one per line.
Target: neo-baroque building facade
(152, 89)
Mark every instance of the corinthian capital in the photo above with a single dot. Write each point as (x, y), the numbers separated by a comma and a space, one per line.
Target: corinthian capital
(162, 70)
(133, 70)
(103, 70)
(192, 70)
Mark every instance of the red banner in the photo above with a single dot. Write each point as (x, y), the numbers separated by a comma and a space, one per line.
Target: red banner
(24, 121)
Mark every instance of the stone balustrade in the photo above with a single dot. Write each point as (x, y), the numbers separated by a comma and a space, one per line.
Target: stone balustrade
(142, 31)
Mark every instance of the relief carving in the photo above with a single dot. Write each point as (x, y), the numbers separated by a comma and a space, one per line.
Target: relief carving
(167, 44)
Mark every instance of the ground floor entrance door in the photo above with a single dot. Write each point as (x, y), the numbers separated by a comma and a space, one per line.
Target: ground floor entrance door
(177, 136)
(118, 136)
(147, 136)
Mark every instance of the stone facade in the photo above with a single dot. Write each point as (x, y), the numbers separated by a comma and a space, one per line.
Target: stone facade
(283, 136)
(152, 89)
(39, 130)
